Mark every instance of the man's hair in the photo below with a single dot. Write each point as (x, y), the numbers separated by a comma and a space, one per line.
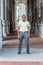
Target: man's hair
(23, 16)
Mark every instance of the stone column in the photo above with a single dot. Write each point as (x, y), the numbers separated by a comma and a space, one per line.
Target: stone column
(8, 24)
(13, 14)
(0, 34)
(2, 9)
(0, 25)
(7, 15)
(4, 28)
(3, 17)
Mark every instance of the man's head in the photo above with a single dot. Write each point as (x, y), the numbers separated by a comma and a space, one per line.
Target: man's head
(24, 18)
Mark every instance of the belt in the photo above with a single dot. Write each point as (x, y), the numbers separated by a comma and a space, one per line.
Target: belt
(23, 31)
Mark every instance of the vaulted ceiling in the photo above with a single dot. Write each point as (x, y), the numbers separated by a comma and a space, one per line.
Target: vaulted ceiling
(20, 1)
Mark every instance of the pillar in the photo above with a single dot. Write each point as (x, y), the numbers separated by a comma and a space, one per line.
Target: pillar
(3, 17)
(0, 26)
(7, 15)
(0, 34)
(4, 28)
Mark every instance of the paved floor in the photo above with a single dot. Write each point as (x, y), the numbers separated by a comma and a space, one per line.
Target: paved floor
(21, 63)
(10, 54)
(35, 42)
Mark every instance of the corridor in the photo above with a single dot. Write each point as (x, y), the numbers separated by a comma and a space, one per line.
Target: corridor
(10, 54)
(35, 42)
(11, 12)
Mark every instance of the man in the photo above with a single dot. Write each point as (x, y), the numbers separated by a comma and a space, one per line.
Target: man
(23, 33)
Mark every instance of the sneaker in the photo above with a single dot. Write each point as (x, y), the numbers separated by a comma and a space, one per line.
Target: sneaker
(28, 52)
(19, 53)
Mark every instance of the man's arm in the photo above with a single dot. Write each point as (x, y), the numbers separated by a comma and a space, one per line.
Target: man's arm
(29, 31)
(18, 31)
(29, 28)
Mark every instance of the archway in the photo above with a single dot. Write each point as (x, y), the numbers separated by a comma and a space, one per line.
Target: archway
(20, 10)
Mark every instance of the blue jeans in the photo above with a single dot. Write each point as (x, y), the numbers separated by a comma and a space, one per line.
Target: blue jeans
(23, 35)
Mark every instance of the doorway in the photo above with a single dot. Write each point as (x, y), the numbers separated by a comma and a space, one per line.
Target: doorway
(20, 10)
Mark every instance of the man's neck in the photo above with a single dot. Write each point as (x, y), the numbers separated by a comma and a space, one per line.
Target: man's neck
(24, 21)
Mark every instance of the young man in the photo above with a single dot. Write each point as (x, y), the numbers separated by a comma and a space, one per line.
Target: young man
(23, 33)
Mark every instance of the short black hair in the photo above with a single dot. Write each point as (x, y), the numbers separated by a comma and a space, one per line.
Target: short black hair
(23, 15)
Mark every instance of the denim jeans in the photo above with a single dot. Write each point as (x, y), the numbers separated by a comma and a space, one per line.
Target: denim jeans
(23, 35)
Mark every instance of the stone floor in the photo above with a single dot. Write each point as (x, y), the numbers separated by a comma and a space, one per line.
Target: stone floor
(35, 42)
(11, 54)
(21, 63)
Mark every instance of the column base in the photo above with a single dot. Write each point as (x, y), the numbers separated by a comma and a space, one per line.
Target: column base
(4, 35)
(41, 36)
(0, 47)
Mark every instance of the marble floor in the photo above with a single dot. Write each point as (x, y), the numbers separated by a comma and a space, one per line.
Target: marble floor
(11, 54)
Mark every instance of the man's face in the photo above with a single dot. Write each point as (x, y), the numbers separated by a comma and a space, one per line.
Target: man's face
(24, 18)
